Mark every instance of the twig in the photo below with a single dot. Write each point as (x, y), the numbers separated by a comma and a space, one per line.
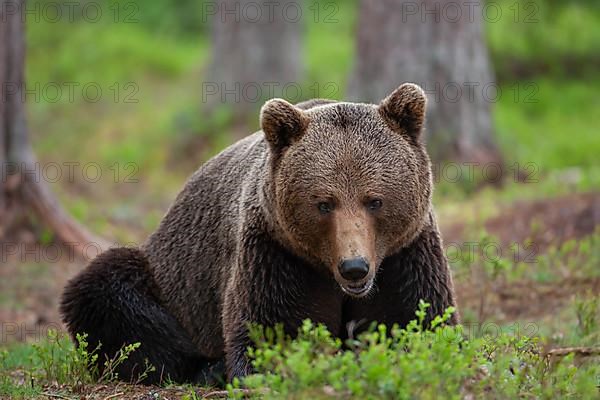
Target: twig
(57, 396)
(581, 351)
(225, 393)
(112, 396)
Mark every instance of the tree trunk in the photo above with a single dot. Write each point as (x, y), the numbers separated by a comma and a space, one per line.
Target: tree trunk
(256, 52)
(440, 46)
(23, 193)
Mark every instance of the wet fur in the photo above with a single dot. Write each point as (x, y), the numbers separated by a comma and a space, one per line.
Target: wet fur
(225, 254)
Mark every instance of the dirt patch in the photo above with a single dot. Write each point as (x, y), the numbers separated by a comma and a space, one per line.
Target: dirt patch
(543, 222)
(536, 226)
(524, 301)
(32, 277)
(119, 391)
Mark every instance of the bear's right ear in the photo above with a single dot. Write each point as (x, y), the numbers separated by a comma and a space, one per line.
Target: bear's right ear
(282, 123)
(404, 109)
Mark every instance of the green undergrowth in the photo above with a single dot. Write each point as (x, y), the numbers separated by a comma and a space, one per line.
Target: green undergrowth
(575, 259)
(27, 369)
(441, 362)
(411, 363)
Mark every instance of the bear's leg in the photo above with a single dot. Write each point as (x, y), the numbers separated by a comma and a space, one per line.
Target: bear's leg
(114, 300)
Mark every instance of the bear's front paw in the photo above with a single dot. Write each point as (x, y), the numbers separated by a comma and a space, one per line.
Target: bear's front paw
(239, 369)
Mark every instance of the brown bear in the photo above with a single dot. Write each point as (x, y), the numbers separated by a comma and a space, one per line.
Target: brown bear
(324, 214)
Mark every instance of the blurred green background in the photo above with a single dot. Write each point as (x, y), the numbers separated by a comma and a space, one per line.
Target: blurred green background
(164, 56)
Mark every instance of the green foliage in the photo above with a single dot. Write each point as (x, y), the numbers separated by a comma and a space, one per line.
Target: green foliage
(408, 363)
(56, 360)
(555, 130)
(192, 395)
(587, 309)
(186, 19)
(519, 37)
(12, 391)
(164, 54)
(116, 56)
(572, 259)
(330, 36)
(494, 262)
(7, 386)
(115, 45)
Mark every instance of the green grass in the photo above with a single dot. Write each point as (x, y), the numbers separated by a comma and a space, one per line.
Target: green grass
(519, 262)
(104, 52)
(27, 369)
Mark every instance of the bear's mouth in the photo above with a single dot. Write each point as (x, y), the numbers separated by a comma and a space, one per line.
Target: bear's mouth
(357, 289)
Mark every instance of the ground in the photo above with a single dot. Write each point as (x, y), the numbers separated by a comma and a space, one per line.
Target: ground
(531, 299)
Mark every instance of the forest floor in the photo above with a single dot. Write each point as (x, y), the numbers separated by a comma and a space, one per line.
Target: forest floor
(525, 265)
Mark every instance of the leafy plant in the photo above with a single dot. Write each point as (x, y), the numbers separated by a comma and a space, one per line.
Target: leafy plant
(411, 362)
(57, 360)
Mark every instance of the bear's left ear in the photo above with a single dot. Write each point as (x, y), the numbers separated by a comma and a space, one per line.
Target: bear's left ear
(404, 109)
(282, 123)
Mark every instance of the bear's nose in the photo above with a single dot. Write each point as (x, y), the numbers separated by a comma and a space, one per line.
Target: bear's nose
(354, 269)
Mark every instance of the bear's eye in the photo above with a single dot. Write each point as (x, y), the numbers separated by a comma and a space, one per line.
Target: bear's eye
(374, 205)
(325, 207)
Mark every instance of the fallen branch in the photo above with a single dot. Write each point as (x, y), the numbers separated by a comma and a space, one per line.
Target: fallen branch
(580, 351)
(57, 396)
(225, 393)
(112, 396)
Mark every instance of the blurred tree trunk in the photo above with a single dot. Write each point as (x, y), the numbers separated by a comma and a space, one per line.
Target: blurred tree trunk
(256, 51)
(439, 45)
(23, 193)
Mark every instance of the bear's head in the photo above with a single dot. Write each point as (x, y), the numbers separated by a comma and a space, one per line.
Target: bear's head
(351, 183)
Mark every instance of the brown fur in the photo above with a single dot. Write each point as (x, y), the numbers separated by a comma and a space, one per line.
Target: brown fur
(245, 240)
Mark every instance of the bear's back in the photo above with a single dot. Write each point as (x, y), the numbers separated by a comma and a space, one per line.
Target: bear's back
(193, 248)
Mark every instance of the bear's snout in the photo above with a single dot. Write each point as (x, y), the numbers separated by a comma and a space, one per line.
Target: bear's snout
(353, 251)
(354, 269)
